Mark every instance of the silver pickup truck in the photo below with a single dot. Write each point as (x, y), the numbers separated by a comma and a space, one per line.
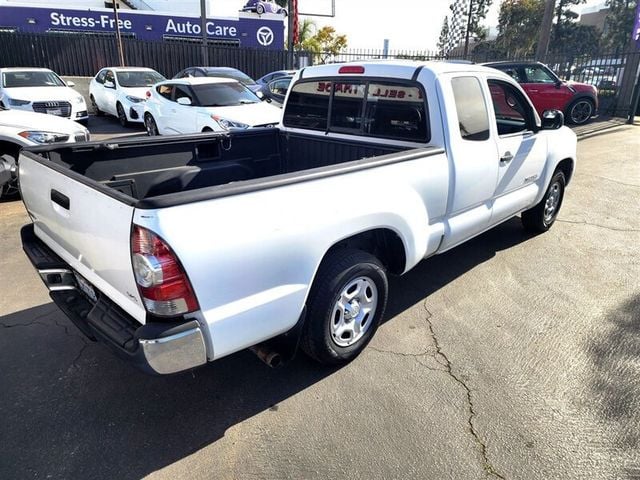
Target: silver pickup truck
(178, 251)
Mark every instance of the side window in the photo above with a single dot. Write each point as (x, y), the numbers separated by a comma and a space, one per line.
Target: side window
(514, 72)
(473, 119)
(396, 111)
(537, 74)
(279, 87)
(100, 76)
(511, 110)
(346, 110)
(165, 91)
(110, 77)
(308, 106)
(182, 91)
(196, 72)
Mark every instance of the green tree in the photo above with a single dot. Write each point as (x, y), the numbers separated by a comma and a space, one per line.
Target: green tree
(443, 41)
(618, 23)
(519, 24)
(479, 10)
(576, 39)
(565, 16)
(306, 30)
(325, 43)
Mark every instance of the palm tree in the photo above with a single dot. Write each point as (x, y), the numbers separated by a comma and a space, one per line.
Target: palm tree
(306, 30)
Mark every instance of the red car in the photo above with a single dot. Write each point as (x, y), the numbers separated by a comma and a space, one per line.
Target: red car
(578, 101)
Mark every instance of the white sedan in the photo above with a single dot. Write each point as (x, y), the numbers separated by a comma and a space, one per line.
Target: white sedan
(41, 90)
(121, 91)
(194, 105)
(20, 129)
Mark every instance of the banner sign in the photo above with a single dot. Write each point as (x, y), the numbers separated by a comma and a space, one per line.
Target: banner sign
(250, 31)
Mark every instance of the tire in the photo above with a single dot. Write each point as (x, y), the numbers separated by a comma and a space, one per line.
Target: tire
(333, 334)
(541, 217)
(151, 125)
(122, 116)
(260, 9)
(99, 112)
(580, 111)
(11, 189)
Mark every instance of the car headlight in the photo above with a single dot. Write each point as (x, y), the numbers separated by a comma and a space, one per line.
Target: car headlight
(133, 99)
(229, 124)
(78, 100)
(18, 103)
(39, 136)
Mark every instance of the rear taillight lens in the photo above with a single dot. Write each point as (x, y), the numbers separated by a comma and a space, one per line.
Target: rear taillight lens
(162, 282)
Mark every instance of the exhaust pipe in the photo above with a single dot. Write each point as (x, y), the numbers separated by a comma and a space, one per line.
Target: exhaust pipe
(268, 356)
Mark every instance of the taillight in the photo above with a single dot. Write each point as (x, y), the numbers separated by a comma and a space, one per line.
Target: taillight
(162, 282)
(148, 94)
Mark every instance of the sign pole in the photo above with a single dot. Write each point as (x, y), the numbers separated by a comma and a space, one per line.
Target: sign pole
(118, 36)
(203, 27)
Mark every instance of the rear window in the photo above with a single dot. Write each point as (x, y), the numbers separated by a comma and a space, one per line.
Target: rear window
(395, 110)
(473, 119)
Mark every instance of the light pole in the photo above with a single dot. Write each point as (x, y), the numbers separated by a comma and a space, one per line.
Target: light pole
(203, 27)
(118, 36)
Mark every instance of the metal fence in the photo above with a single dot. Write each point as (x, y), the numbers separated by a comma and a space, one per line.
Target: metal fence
(614, 74)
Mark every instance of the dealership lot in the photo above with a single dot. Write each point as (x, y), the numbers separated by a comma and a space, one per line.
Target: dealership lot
(511, 356)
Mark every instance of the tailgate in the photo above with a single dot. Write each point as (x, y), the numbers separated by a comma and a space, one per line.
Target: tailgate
(88, 228)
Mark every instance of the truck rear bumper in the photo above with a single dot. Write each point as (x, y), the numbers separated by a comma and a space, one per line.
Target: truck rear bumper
(156, 347)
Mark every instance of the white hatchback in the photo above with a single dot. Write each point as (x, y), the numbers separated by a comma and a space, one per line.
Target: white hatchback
(194, 105)
(120, 91)
(41, 90)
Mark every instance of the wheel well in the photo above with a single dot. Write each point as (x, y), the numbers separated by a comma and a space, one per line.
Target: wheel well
(10, 148)
(382, 243)
(566, 167)
(207, 129)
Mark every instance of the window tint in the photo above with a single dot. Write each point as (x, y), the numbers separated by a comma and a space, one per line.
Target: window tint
(511, 110)
(224, 94)
(473, 119)
(537, 74)
(165, 91)
(100, 76)
(514, 72)
(182, 91)
(396, 111)
(196, 72)
(109, 77)
(280, 87)
(31, 78)
(308, 106)
(346, 111)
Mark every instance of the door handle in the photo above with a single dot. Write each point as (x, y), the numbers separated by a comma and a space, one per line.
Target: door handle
(60, 199)
(506, 158)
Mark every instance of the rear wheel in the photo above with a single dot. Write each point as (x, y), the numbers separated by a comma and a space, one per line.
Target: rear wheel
(150, 125)
(345, 305)
(541, 217)
(260, 9)
(581, 111)
(122, 116)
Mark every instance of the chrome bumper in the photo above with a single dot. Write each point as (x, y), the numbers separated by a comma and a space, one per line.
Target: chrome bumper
(177, 351)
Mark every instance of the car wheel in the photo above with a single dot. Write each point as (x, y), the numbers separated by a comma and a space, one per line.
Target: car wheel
(10, 189)
(94, 105)
(345, 305)
(150, 125)
(122, 116)
(581, 111)
(541, 217)
(260, 9)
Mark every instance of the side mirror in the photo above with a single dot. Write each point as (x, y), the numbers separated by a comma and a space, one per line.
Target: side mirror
(558, 84)
(260, 95)
(184, 101)
(70, 84)
(109, 84)
(552, 119)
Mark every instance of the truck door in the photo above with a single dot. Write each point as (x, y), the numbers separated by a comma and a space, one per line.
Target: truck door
(473, 157)
(522, 152)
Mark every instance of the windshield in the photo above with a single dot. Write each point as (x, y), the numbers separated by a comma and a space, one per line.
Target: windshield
(224, 95)
(234, 74)
(142, 78)
(31, 78)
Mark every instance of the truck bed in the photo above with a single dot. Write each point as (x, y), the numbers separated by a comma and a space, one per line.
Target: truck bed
(156, 167)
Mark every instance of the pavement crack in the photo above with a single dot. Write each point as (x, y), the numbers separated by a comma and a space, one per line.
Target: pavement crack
(598, 225)
(487, 465)
(74, 363)
(415, 356)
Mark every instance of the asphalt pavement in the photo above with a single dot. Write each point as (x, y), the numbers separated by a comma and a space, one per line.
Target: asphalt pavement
(513, 356)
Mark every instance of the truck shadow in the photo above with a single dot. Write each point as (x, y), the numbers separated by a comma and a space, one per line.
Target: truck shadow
(72, 410)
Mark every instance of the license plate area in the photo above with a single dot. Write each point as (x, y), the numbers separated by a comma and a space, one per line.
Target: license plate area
(54, 111)
(85, 287)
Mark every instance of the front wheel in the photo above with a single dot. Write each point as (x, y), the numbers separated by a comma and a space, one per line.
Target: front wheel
(541, 217)
(150, 125)
(581, 111)
(259, 9)
(94, 105)
(122, 116)
(345, 305)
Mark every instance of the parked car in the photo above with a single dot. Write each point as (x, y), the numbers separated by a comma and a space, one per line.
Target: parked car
(276, 90)
(41, 90)
(603, 78)
(222, 72)
(578, 101)
(19, 129)
(264, 6)
(269, 77)
(121, 91)
(277, 237)
(193, 105)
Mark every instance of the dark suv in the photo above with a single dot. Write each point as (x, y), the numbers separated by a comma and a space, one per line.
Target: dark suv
(578, 101)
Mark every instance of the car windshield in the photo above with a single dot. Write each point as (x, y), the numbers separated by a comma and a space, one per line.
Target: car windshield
(142, 78)
(31, 78)
(234, 74)
(224, 95)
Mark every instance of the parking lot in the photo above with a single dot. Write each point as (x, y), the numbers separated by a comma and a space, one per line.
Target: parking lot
(512, 356)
